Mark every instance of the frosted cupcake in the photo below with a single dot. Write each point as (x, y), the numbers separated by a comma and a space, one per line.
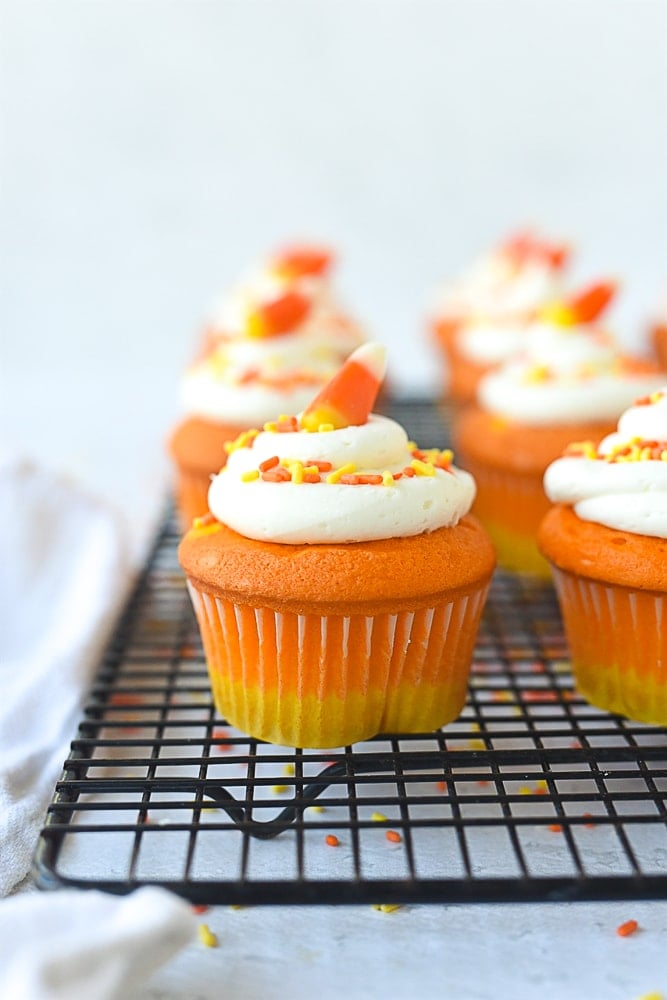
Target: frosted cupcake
(273, 342)
(606, 540)
(481, 318)
(570, 383)
(338, 580)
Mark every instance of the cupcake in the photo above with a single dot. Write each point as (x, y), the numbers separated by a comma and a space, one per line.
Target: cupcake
(338, 579)
(606, 540)
(481, 318)
(658, 338)
(276, 339)
(570, 382)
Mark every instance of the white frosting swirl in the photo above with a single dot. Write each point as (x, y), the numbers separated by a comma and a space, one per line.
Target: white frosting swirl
(565, 375)
(497, 287)
(491, 343)
(324, 512)
(625, 495)
(247, 380)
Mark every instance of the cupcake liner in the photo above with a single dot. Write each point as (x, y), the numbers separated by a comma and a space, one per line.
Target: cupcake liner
(511, 506)
(618, 643)
(311, 681)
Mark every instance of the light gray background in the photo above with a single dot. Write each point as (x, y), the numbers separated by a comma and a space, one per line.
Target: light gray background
(152, 150)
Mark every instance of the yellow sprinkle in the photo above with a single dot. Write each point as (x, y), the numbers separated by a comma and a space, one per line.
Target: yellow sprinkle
(250, 475)
(652, 996)
(379, 817)
(207, 937)
(316, 809)
(663, 455)
(236, 906)
(542, 785)
(476, 745)
(242, 441)
(311, 470)
(279, 789)
(412, 445)
(271, 427)
(537, 373)
(474, 727)
(288, 770)
(525, 790)
(207, 529)
(296, 468)
(422, 468)
(344, 470)
(655, 397)
(324, 428)
(209, 809)
(387, 479)
(386, 907)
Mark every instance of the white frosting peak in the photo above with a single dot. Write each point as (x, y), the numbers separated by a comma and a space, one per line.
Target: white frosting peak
(625, 486)
(565, 374)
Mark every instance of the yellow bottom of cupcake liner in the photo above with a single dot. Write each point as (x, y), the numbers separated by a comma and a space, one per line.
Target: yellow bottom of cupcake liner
(511, 506)
(313, 681)
(618, 644)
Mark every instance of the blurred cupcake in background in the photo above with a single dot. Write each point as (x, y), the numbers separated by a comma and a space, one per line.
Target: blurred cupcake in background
(658, 337)
(271, 343)
(480, 318)
(606, 540)
(571, 382)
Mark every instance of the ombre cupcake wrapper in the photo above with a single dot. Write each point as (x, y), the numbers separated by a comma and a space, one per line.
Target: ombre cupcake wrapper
(313, 681)
(510, 506)
(618, 643)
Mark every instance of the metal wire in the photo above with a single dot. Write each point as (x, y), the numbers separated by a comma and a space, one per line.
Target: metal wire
(531, 795)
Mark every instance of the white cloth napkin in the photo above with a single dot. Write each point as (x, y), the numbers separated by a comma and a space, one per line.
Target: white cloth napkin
(86, 945)
(62, 578)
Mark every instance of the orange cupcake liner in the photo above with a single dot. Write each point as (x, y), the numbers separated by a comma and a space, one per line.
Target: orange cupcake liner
(618, 643)
(316, 681)
(511, 506)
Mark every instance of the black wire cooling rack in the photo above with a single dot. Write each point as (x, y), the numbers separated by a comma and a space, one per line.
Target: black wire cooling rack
(530, 795)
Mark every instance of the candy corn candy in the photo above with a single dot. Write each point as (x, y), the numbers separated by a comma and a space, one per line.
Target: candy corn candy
(278, 316)
(348, 398)
(584, 307)
(297, 261)
(588, 305)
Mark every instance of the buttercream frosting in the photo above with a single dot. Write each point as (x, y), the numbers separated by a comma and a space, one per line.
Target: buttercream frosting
(623, 483)
(366, 482)
(566, 374)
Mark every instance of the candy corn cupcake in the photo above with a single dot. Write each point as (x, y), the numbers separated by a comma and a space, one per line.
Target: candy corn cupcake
(338, 579)
(480, 319)
(606, 540)
(272, 343)
(570, 383)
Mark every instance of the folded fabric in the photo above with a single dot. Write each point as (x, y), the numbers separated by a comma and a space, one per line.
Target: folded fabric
(62, 575)
(85, 945)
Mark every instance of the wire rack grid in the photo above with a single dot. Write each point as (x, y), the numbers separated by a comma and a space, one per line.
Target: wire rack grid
(530, 795)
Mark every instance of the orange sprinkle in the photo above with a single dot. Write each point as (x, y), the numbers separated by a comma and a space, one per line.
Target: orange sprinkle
(556, 828)
(270, 463)
(441, 786)
(409, 472)
(287, 425)
(332, 840)
(398, 475)
(540, 694)
(311, 477)
(320, 466)
(349, 480)
(276, 475)
(483, 783)
(200, 907)
(589, 826)
(393, 837)
(628, 928)
(370, 480)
